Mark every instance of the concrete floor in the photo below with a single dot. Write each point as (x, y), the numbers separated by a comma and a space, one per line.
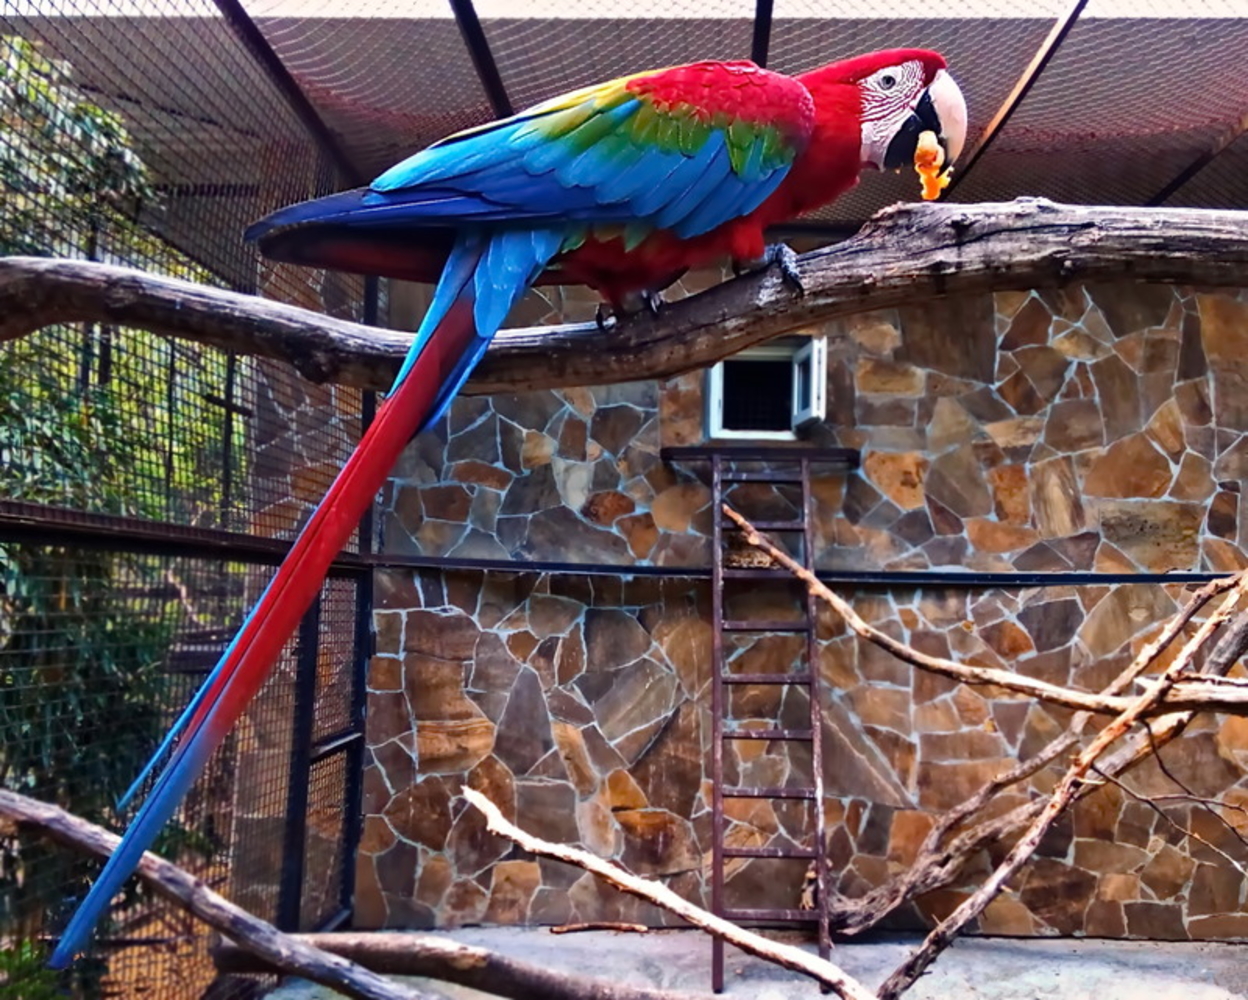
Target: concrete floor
(974, 969)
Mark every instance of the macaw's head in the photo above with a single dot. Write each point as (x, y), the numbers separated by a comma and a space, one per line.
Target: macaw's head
(900, 95)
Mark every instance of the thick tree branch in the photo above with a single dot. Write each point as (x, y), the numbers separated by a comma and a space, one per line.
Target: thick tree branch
(906, 255)
(277, 949)
(402, 953)
(660, 895)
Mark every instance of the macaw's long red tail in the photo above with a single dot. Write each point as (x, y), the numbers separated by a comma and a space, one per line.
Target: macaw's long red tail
(483, 278)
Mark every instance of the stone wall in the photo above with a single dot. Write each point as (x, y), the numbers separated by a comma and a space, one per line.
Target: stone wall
(1095, 429)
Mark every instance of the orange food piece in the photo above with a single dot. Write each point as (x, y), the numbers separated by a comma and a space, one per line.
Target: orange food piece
(929, 157)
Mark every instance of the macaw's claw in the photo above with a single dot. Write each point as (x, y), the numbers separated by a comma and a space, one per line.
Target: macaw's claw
(782, 256)
(604, 317)
(635, 302)
(785, 257)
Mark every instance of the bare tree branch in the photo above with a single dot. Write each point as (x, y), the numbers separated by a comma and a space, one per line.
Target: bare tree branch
(1194, 695)
(277, 949)
(938, 861)
(907, 255)
(660, 895)
(1065, 793)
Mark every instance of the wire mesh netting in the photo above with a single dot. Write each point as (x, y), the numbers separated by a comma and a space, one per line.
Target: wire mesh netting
(150, 135)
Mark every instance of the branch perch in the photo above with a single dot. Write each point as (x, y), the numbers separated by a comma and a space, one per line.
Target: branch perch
(660, 895)
(906, 255)
(400, 953)
(278, 950)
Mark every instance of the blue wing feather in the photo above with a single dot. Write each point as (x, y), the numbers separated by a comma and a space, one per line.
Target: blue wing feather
(596, 161)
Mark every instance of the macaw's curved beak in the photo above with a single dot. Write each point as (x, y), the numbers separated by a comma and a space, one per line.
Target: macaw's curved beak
(941, 110)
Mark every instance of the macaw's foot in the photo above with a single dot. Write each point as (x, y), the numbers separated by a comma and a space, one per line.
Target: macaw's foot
(782, 256)
(631, 303)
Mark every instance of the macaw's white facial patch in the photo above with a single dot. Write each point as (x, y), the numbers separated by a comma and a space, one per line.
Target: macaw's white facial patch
(888, 97)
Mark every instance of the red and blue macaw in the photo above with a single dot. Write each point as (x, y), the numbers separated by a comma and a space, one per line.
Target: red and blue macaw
(621, 187)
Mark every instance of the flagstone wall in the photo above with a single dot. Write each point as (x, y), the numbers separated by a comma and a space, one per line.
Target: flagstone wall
(1094, 429)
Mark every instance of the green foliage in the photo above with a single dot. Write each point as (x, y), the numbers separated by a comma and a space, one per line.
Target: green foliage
(67, 165)
(84, 694)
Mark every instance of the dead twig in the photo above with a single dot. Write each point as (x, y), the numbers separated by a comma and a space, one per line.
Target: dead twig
(601, 925)
(1152, 802)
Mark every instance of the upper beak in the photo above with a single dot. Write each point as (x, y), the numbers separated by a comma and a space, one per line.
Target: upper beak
(941, 109)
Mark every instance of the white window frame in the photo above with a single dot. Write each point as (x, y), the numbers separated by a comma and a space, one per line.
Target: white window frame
(808, 357)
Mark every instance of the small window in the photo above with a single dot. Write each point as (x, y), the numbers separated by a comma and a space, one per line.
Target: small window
(768, 392)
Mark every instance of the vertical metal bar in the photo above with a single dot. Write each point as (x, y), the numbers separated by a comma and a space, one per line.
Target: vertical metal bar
(227, 441)
(252, 37)
(816, 713)
(762, 31)
(1022, 87)
(1219, 145)
(717, 716)
(171, 403)
(88, 329)
(104, 368)
(290, 889)
(353, 819)
(482, 58)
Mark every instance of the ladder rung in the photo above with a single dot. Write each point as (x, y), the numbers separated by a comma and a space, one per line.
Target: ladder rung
(757, 574)
(767, 525)
(769, 793)
(760, 477)
(738, 625)
(766, 678)
(806, 916)
(770, 852)
(767, 734)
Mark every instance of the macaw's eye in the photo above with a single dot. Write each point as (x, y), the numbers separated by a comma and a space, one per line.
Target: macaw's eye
(888, 81)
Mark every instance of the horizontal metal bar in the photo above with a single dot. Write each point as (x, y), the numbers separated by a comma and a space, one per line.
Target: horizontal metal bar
(769, 852)
(330, 745)
(21, 521)
(802, 678)
(767, 734)
(769, 793)
(384, 560)
(761, 453)
(757, 573)
(793, 916)
(766, 525)
(737, 625)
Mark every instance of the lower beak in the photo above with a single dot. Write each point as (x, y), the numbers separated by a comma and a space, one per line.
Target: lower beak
(924, 118)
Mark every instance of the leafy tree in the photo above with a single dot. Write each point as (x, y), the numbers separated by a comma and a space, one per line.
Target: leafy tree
(84, 695)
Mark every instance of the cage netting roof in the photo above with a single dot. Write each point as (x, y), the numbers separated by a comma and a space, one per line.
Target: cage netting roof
(1099, 101)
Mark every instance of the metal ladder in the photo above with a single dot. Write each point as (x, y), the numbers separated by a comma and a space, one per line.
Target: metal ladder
(722, 481)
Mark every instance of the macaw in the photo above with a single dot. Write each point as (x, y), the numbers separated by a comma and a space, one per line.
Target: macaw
(620, 186)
